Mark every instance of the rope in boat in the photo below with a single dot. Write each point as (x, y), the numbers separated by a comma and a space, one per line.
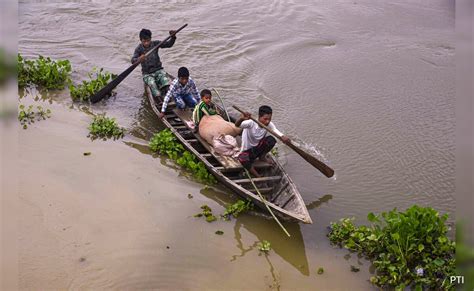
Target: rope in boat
(265, 202)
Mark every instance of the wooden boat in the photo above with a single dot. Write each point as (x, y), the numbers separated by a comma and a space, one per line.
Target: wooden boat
(275, 185)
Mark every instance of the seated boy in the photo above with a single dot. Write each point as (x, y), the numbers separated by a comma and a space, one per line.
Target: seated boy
(183, 90)
(205, 107)
(256, 142)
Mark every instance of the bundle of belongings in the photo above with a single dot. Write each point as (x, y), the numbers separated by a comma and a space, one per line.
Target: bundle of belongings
(220, 134)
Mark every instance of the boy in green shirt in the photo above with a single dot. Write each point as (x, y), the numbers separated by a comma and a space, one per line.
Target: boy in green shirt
(205, 107)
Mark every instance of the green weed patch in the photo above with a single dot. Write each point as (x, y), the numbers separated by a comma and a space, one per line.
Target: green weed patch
(97, 80)
(207, 213)
(105, 127)
(264, 246)
(43, 72)
(237, 208)
(27, 115)
(165, 142)
(408, 249)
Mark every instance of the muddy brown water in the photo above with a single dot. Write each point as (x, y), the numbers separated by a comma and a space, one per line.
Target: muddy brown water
(369, 86)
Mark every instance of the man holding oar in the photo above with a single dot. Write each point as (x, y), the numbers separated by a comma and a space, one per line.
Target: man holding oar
(256, 142)
(153, 74)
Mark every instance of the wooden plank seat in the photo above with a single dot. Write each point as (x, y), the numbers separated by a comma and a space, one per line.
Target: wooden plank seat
(262, 179)
(257, 165)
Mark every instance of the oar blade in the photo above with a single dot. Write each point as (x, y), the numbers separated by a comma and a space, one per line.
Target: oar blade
(322, 167)
(110, 86)
(325, 169)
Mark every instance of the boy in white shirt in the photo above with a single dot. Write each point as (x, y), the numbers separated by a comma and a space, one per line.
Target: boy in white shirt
(256, 142)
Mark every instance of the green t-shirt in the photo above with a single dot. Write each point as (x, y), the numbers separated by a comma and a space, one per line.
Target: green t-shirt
(202, 109)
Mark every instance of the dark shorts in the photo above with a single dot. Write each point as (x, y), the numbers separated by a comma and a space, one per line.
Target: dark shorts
(248, 157)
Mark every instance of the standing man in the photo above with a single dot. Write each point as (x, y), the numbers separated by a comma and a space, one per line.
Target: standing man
(153, 74)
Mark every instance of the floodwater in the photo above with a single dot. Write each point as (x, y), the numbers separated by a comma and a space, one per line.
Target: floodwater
(368, 85)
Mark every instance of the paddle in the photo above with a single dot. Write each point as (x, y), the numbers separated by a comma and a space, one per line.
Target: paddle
(110, 86)
(325, 169)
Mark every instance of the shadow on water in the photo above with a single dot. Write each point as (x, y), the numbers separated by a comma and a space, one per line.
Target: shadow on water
(319, 202)
(291, 249)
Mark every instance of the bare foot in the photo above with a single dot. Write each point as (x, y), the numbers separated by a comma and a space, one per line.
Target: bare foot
(254, 172)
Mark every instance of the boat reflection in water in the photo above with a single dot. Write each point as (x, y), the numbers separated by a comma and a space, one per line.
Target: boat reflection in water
(291, 249)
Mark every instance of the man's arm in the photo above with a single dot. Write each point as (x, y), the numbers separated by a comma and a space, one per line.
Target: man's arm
(284, 138)
(244, 116)
(194, 90)
(136, 55)
(170, 42)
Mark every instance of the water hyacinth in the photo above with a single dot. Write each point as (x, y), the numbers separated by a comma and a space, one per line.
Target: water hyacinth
(408, 249)
(165, 142)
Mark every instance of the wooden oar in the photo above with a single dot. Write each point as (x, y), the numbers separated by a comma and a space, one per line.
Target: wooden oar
(325, 169)
(110, 86)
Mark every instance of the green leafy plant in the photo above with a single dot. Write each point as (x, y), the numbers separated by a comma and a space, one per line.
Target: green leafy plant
(29, 115)
(264, 246)
(97, 80)
(105, 127)
(165, 142)
(275, 152)
(408, 248)
(320, 271)
(219, 232)
(237, 208)
(206, 212)
(43, 72)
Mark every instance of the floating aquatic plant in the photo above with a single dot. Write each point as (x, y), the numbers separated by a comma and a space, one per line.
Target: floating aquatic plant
(237, 208)
(408, 249)
(264, 246)
(27, 115)
(98, 79)
(105, 127)
(165, 142)
(43, 72)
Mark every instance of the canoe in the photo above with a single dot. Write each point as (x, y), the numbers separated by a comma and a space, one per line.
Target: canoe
(275, 185)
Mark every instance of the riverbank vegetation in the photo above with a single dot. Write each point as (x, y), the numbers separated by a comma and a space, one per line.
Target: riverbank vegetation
(408, 249)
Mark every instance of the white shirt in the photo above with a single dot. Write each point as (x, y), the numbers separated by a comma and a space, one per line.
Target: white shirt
(252, 133)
